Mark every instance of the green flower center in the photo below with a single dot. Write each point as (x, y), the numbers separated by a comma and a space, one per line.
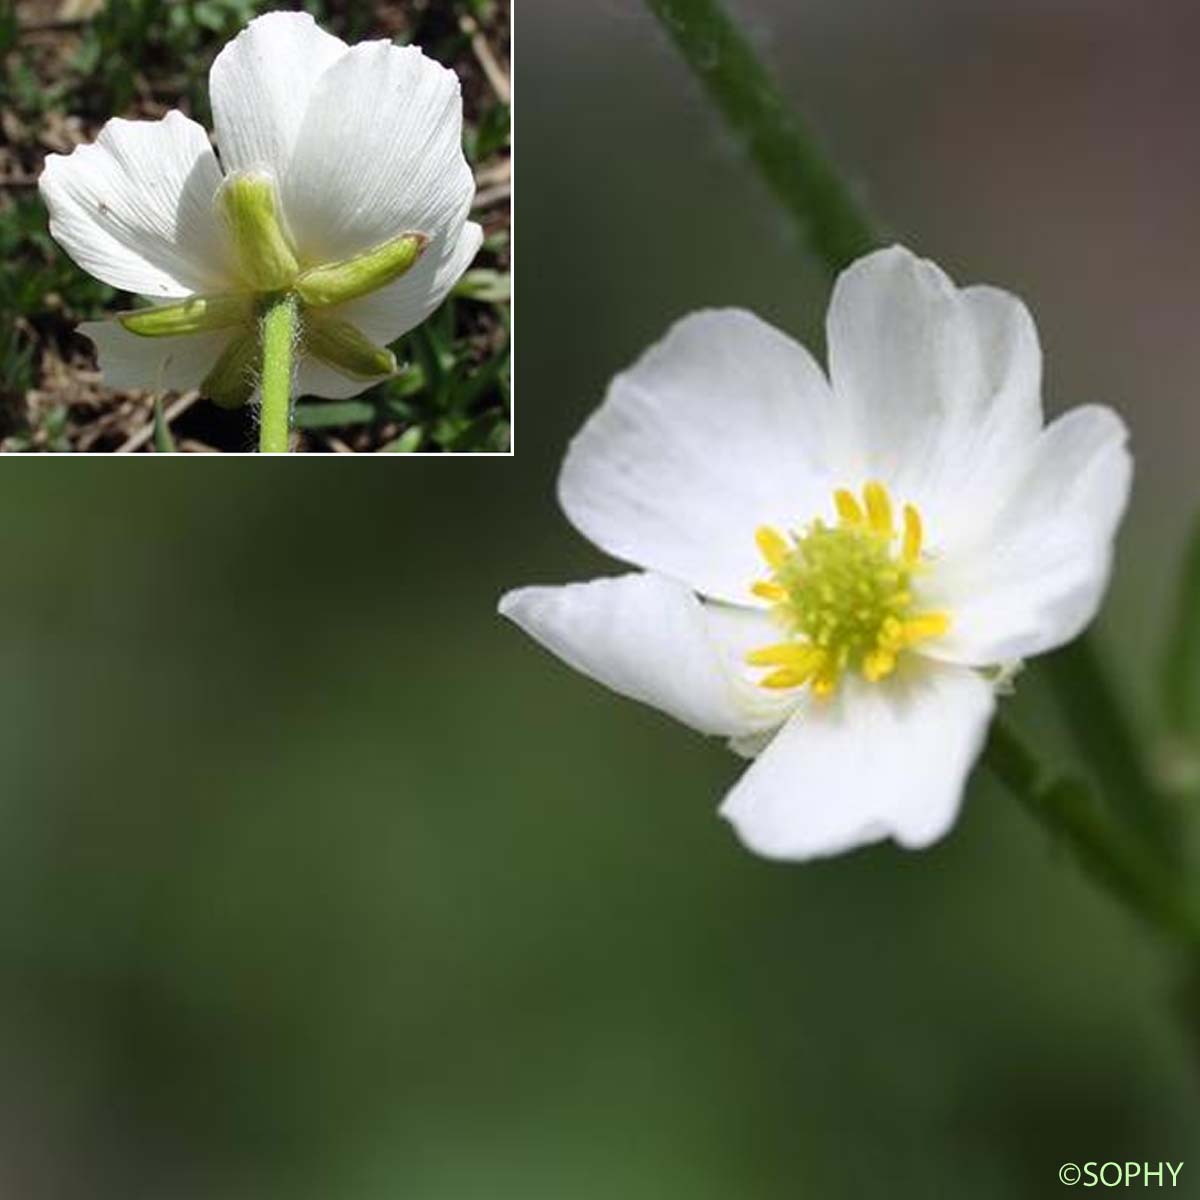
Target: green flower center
(843, 594)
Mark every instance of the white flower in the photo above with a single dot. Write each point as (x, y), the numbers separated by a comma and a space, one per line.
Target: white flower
(341, 175)
(831, 569)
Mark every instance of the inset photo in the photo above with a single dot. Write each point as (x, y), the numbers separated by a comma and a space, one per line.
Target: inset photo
(236, 226)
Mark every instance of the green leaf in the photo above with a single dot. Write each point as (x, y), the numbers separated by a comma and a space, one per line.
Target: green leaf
(478, 435)
(492, 287)
(407, 443)
(490, 134)
(328, 414)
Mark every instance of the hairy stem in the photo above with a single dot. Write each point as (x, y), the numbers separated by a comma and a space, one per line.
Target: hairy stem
(1068, 811)
(1181, 665)
(278, 339)
(1100, 726)
(793, 167)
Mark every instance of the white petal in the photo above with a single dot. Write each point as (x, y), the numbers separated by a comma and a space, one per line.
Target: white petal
(714, 431)
(872, 762)
(1036, 573)
(938, 389)
(168, 364)
(260, 85)
(379, 154)
(314, 378)
(134, 208)
(386, 314)
(650, 638)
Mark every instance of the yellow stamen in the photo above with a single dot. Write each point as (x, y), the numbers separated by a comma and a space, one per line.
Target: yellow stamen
(912, 534)
(769, 591)
(847, 507)
(845, 595)
(879, 508)
(786, 654)
(927, 625)
(785, 677)
(771, 545)
(824, 685)
(877, 664)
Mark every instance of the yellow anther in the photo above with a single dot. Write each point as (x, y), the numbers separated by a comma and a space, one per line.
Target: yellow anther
(912, 534)
(925, 626)
(772, 545)
(824, 685)
(879, 508)
(847, 507)
(877, 664)
(786, 654)
(769, 591)
(785, 677)
(891, 634)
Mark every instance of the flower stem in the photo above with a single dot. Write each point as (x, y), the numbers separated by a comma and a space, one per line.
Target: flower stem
(1100, 726)
(1067, 809)
(1181, 662)
(794, 168)
(278, 337)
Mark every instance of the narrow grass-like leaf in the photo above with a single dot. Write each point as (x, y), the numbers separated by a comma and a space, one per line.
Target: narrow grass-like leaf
(328, 414)
(407, 443)
(163, 442)
(494, 287)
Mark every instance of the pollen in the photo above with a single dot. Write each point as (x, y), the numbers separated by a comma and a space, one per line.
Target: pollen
(843, 594)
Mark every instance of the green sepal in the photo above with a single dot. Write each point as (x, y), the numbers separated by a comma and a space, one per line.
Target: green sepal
(250, 208)
(334, 283)
(346, 349)
(232, 380)
(193, 315)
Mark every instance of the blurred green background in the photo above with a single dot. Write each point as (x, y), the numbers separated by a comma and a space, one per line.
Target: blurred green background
(318, 881)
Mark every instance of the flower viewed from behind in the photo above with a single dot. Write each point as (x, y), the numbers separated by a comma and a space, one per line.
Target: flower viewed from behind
(835, 573)
(341, 182)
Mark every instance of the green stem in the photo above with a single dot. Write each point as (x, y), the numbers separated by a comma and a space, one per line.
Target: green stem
(1065, 807)
(1181, 664)
(278, 337)
(793, 167)
(1101, 728)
